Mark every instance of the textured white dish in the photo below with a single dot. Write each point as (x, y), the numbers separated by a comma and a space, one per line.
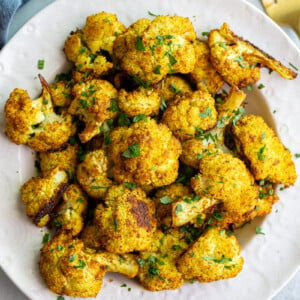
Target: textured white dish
(270, 259)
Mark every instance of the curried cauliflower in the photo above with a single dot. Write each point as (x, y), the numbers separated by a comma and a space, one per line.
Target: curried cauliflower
(40, 195)
(145, 153)
(90, 48)
(262, 150)
(149, 50)
(70, 268)
(238, 61)
(190, 113)
(92, 174)
(204, 74)
(71, 212)
(94, 102)
(225, 178)
(139, 102)
(126, 220)
(214, 256)
(34, 122)
(158, 269)
(65, 158)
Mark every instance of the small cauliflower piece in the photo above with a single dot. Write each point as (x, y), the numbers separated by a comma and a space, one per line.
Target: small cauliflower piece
(139, 102)
(65, 158)
(214, 256)
(34, 122)
(149, 50)
(158, 270)
(92, 174)
(173, 85)
(145, 153)
(238, 61)
(94, 102)
(262, 150)
(71, 212)
(40, 195)
(87, 48)
(225, 178)
(189, 113)
(204, 74)
(70, 268)
(126, 220)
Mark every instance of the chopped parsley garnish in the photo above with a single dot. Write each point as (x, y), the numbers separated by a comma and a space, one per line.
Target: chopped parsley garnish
(152, 269)
(222, 45)
(166, 200)
(260, 154)
(163, 104)
(144, 84)
(205, 33)
(176, 247)
(83, 103)
(72, 258)
(293, 66)
(157, 69)
(222, 260)
(60, 298)
(206, 113)
(116, 224)
(297, 155)
(46, 238)
(139, 118)
(258, 230)
(41, 64)
(130, 185)
(249, 87)
(152, 14)
(261, 86)
(123, 119)
(132, 151)
(174, 88)
(178, 209)
(96, 187)
(81, 264)
(237, 114)
(60, 247)
(113, 105)
(139, 45)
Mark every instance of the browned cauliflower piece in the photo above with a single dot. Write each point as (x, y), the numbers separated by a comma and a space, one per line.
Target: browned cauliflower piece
(238, 61)
(139, 102)
(94, 102)
(70, 268)
(158, 269)
(91, 236)
(87, 48)
(204, 74)
(214, 256)
(149, 50)
(65, 158)
(145, 153)
(40, 195)
(189, 113)
(262, 150)
(61, 93)
(225, 178)
(34, 122)
(71, 212)
(92, 174)
(126, 220)
(173, 85)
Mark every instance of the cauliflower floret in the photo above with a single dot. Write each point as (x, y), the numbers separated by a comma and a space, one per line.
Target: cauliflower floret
(238, 61)
(95, 102)
(40, 195)
(214, 256)
(65, 158)
(146, 153)
(34, 122)
(262, 150)
(69, 268)
(126, 220)
(225, 178)
(172, 85)
(92, 174)
(158, 269)
(189, 113)
(204, 74)
(138, 102)
(70, 213)
(149, 50)
(87, 48)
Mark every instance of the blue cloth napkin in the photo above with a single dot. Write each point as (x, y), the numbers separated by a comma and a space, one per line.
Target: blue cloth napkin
(7, 11)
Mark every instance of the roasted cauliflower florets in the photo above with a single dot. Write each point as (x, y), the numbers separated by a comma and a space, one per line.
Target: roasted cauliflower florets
(224, 177)
(87, 48)
(71, 212)
(126, 220)
(214, 256)
(262, 150)
(204, 74)
(238, 61)
(40, 195)
(149, 50)
(34, 122)
(92, 174)
(69, 268)
(95, 102)
(145, 153)
(189, 113)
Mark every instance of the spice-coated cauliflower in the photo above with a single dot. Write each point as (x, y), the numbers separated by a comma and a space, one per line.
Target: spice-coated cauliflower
(34, 122)
(145, 153)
